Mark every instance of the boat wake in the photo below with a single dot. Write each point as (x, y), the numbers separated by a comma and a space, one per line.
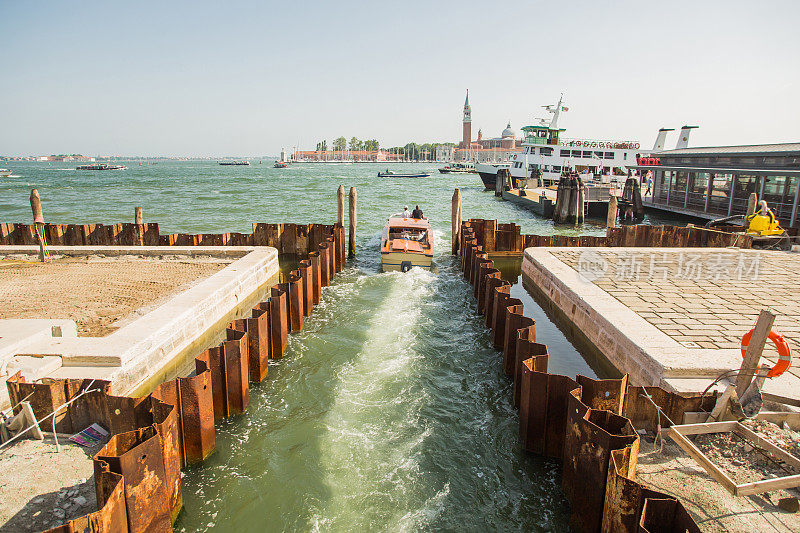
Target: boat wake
(374, 437)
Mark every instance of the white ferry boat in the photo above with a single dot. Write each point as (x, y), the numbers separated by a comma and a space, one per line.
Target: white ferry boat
(544, 149)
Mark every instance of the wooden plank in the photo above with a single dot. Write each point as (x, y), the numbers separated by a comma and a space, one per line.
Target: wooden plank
(721, 405)
(780, 399)
(708, 427)
(757, 487)
(754, 349)
(779, 417)
(760, 442)
(677, 433)
(698, 456)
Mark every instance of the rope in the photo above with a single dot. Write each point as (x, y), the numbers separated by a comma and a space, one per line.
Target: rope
(58, 446)
(659, 412)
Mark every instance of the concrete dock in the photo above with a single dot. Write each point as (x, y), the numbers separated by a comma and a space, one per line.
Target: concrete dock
(670, 317)
(148, 348)
(542, 200)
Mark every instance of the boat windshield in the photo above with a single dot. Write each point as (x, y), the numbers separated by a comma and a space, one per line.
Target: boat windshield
(410, 234)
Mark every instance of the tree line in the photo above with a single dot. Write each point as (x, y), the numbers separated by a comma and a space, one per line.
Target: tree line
(420, 152)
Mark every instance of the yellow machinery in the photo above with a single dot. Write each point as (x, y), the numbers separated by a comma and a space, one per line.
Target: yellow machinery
(763, 222)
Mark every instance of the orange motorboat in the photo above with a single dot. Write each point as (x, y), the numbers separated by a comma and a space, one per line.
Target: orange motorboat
(406, 243)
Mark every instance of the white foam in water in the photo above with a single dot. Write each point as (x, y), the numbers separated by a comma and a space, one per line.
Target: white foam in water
(370, 451)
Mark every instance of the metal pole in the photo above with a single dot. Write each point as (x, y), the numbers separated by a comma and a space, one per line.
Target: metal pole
(669, 184)
(686, 196)
(732, 193)
(708, 189)
(796, 200)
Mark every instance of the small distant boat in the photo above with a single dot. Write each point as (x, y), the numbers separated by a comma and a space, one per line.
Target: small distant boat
(4, 173)
(100, 166)
(390, 174)
(458, 168)
(406, 243)
(280, 164)
(234, 163)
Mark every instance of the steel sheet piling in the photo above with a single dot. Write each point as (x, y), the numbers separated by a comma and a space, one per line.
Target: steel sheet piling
(136, 455)
(501, 296)
(278, 322)
(316, 276)
(488, 273)
(513, 321)
(491, 284)
(591, 436)
(237, 378)
(306, 279)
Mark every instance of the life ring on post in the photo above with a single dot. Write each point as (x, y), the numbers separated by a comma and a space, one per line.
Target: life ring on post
(784, 352)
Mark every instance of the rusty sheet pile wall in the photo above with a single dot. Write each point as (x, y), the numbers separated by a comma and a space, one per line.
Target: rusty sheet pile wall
(137, 473)
(590, 425)
(500, 238)
(296, 239)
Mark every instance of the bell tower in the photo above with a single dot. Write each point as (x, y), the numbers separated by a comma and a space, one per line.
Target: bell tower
(466, 138)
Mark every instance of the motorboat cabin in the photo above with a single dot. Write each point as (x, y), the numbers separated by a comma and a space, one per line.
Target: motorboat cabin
(406, 243)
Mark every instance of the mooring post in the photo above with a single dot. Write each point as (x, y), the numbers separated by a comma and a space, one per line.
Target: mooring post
(340, 204)
(352, 240)
(138, 219)
(38, 221)
(613, 207)
(456, 221)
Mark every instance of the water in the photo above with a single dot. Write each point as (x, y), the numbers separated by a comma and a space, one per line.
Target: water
(390, 410)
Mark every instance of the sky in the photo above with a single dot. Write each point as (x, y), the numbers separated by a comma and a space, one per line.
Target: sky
(248, 78)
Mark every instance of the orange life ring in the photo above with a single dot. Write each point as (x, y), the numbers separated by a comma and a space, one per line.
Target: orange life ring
(784, 352)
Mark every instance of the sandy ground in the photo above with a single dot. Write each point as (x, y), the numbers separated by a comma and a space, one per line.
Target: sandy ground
(41, 488)
(672, 471)
(97, 292)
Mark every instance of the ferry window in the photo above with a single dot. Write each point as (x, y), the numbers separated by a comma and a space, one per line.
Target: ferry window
(576, 153)
(564, 153)
(587, 154)
(609, 155)
(556, 168)
(599, 155)
(546, 151)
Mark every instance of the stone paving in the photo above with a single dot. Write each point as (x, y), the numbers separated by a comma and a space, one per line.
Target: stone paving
(702, 298)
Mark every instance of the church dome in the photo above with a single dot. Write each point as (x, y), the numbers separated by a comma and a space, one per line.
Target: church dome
(508, 132)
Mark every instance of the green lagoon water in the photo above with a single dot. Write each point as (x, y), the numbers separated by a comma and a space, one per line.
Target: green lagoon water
(390, 411)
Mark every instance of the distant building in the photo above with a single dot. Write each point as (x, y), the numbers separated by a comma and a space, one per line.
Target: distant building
(716, 182)
(345, 155)
(484, 150)
(445, 153)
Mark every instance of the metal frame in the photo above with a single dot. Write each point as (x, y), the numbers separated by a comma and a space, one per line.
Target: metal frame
(678, 433)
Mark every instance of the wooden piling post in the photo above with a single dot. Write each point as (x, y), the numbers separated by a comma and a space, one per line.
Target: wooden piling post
(613, 207)
(38, 221)
(752, 202)
(455, 221)
(138, 219)
(352, 239)
(340, 204)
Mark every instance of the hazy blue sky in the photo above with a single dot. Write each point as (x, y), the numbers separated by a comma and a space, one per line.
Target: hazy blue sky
(246, 78)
